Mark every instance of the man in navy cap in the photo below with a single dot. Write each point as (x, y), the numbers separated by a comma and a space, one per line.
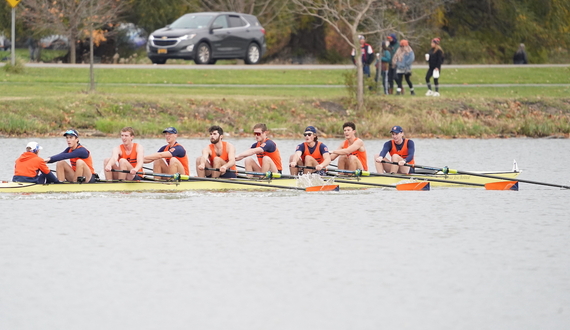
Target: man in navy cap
(80, 166)
(310, 153)
(171, 158)
(401, 151)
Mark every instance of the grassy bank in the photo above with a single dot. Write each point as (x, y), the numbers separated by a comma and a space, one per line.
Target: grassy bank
(48, 101)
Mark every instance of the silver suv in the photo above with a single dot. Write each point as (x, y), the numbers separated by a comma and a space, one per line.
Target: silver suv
(208, 37)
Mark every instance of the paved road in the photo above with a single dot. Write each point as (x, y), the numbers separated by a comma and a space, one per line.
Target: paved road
(268, 66)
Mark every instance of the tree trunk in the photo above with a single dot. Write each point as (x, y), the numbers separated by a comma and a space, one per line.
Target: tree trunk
(72, 47)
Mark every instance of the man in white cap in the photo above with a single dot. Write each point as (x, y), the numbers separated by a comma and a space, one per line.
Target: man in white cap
(31, 168)
(311, 153)
(171, 158)
(401, 151)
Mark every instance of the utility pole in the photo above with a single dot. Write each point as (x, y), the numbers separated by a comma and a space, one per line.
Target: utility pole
(13, 4)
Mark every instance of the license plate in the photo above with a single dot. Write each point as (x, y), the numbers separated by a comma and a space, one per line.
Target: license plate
(162, 51)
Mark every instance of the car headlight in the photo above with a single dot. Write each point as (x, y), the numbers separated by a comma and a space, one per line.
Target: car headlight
(188, 36)
(151, 37)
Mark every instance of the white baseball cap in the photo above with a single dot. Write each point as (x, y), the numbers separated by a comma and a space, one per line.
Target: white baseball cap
(34, 146)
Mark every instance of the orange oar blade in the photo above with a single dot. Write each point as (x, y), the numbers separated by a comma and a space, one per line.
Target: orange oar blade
(424, 185)
(329, 187)
(502, 185)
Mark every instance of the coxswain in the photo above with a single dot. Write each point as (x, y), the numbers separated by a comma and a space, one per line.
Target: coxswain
(31, 168)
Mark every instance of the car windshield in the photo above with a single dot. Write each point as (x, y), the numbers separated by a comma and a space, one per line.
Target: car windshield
(192, 22)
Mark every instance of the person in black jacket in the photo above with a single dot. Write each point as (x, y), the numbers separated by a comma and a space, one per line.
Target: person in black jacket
(520, 56)
(367, 56)
(435, 60)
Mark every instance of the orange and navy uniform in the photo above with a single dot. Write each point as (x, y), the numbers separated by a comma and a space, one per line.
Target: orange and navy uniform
(132, 157)
(73, 155)
(361, 155)
(28, 165)
(405, 150)
(318, 151)
(224, 155)
(270, 150)
(179, 153)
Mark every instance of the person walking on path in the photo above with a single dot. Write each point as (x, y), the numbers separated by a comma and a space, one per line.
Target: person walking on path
(520, 56)
(402, 62)
(393, 46)
(435, 60)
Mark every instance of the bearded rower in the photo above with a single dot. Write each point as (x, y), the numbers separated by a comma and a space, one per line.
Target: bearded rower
(219, 154)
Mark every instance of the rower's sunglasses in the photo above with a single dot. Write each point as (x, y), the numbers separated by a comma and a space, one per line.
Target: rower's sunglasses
(308, 134)
(256, 133)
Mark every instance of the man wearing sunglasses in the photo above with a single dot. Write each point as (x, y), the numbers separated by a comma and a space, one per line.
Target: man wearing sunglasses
(171, 158)
(219, 155)
(310, 153)
(80, 166)
(351, 153)
(266, 150)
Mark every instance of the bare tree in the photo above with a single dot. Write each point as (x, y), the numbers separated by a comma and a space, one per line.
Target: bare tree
(349, 18)
(71, 18)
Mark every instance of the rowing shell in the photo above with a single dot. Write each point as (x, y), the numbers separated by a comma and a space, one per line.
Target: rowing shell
(140, 186)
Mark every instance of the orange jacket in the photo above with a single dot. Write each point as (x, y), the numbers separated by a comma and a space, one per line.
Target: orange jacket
(28, 165)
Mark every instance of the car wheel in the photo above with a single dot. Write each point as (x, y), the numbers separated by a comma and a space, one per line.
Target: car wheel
(253, 54)
(160, 61)
(212, 61)
(203, 54)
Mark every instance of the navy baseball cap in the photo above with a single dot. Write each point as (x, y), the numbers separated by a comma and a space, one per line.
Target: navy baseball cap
(397, 129)
(71, 132)
(170, 130)
(311, 129)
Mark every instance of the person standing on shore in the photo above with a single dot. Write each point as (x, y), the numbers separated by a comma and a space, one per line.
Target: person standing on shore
(393, 46)
(402, 62)
(435, 60)
(351, 153)
(31, 168)
(520, 56)
(80, 166)
(383, 66)
(128, 156)
(367, 54)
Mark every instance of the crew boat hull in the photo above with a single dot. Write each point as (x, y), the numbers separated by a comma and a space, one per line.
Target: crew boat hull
(242, 184)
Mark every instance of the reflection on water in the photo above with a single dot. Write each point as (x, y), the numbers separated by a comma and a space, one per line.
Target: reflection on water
(372, 259)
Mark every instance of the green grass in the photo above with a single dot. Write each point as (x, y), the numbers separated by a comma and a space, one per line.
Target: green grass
(47, 101)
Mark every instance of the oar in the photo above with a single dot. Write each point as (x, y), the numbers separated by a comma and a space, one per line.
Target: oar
(504, 185)
(447, 170)
(266, 175)
(420, 185)
(182, 177)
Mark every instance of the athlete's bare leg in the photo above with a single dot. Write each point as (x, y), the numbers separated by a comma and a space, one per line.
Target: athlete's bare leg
(295, 170)
(343, 162)
(354, 163)
(397, 168)
(218, 162)
(202, 173)
(124, 165)
(268, 165)
(81, 169)
(310, 162)
(64, 171)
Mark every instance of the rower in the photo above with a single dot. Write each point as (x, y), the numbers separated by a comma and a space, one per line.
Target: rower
(31, 168)
(266, 151)
(80, 167)
(401, 151)
(218, 154)
(171, 158)
(128, 156)
(311, 153)
(351, 153)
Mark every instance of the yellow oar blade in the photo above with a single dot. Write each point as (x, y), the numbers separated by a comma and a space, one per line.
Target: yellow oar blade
(502, 185)
(424, 185)
(328, 187)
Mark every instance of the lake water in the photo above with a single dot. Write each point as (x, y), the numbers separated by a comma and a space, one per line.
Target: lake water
(458, 258)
